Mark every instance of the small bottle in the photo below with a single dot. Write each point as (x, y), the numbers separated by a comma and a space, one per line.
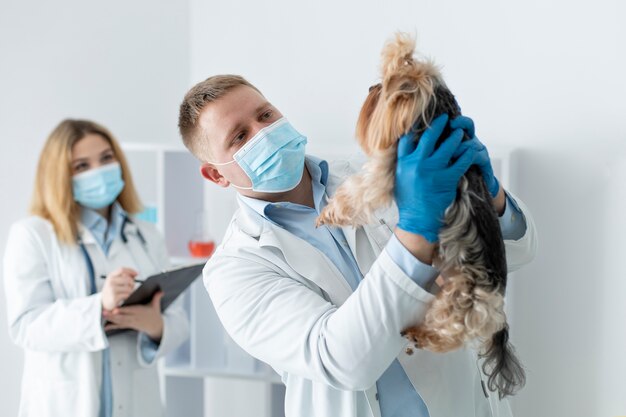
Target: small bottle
(201, 245)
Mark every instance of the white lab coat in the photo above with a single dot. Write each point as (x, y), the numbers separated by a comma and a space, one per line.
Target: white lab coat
(57, 322)
(285, 303)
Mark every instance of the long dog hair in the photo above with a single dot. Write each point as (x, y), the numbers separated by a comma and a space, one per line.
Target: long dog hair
(470, 253)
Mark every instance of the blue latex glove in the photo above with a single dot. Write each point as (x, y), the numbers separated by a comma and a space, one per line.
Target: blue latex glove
(426, 181)
(482, 156)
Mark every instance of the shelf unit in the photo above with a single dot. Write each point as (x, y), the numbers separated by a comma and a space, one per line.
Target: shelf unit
(208, 373)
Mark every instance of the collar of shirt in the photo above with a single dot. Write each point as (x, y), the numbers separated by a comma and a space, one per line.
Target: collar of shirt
(103, 232)
(318, 169)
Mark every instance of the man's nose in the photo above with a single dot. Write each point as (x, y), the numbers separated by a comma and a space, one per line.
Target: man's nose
(257, 126)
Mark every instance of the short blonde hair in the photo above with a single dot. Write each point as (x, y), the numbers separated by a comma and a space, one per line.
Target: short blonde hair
(52, 197)
(197, 97)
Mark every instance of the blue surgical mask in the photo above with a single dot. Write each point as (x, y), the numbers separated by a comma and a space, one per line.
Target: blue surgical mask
(273, 159)
(98, 187)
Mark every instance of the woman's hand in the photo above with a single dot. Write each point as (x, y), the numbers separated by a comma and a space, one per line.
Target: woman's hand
(118, 286)
(143, 318)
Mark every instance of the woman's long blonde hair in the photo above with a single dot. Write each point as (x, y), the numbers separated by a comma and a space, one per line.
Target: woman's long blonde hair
(52, 196)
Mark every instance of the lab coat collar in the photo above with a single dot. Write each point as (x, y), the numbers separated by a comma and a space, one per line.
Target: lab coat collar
(103, 230)
(305, 259)
(86, 236)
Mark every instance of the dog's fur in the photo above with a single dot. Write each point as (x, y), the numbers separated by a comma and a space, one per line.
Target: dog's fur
(470, 252)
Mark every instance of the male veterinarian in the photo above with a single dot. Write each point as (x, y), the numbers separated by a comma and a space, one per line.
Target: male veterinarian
(325, 306)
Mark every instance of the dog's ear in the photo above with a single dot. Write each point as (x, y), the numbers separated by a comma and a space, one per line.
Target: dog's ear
(407, 97)
(365, 118)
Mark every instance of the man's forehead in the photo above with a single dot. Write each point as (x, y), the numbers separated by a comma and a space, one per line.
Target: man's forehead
(239, 103)
(218, 117)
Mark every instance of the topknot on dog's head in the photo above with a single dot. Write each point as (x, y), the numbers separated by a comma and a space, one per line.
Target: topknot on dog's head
(408, 82)
(402, 71)
(408, 87)
(397, 54)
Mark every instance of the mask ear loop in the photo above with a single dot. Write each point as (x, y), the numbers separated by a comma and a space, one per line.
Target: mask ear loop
(241, 188)
(220, 164)
(228, 163)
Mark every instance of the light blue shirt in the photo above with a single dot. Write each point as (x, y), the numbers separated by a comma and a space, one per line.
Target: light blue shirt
(104, 233)
(396, 394)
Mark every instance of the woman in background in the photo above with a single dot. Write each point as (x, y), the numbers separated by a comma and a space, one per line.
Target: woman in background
(68, 267)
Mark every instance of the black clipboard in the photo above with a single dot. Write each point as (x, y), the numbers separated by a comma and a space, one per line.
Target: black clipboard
(172, 282)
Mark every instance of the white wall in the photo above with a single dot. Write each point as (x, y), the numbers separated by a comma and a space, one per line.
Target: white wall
(124, 64)
(545, 77)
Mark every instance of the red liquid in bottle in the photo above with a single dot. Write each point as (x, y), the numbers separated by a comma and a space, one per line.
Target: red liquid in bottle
(200, 249)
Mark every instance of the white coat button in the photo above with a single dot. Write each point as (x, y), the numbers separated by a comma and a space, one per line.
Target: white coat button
(376, 396)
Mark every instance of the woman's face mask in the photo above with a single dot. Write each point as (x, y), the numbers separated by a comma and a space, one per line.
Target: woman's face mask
(273, 159)
(98, 187)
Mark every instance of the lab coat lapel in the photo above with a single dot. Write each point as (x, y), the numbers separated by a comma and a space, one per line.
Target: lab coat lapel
(367, 242)
(96, 256)
(134, 253)
(303, 257)
(361, 247)
(307, 261)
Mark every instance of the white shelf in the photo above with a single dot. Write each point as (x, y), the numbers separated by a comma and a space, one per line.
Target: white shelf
(186, 260)
(194, 375)
(271, 378)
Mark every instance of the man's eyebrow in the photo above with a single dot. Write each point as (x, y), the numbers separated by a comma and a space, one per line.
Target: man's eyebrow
(239, 124)
(226, 140)
(262, 106)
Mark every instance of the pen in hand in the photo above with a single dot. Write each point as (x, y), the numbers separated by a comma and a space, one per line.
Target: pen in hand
(136, 280)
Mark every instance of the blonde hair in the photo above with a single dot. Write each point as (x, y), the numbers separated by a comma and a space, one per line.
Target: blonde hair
(52, 195)
(197, 97)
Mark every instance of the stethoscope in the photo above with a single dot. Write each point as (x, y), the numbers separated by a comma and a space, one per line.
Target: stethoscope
(144, 244)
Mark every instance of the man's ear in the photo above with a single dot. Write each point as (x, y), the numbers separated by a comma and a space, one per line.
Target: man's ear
(211, 173)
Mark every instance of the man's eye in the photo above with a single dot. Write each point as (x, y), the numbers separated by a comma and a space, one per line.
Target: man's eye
(240, 136)
(267, 115)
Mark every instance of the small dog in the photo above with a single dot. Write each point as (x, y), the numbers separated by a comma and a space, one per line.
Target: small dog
(470, 253)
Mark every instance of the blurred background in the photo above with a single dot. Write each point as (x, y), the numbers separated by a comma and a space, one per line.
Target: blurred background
(544, 79)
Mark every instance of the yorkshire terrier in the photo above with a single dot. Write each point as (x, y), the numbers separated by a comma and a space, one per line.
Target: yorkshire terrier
(470, 252)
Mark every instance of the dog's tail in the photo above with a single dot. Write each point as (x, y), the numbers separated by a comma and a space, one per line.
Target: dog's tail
(506, 374)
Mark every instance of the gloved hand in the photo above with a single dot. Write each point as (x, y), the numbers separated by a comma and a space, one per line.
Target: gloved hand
(482, 156)
(426, 181)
